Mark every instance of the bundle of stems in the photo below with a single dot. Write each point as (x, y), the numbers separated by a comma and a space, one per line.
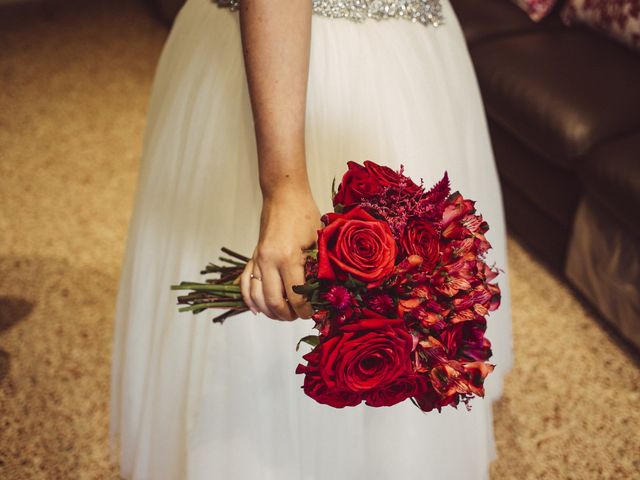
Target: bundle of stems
(221, 292)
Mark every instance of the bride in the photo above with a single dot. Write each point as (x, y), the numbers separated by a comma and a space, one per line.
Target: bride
(255, 109)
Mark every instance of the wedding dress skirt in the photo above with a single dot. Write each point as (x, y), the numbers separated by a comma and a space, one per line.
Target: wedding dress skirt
(190, 399)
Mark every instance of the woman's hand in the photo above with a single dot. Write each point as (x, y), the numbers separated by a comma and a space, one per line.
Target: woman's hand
(288, 225)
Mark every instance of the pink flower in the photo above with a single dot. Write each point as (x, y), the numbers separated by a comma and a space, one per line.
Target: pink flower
(339, 297)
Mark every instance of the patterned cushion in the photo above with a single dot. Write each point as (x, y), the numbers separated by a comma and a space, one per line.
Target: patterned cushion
(536, 9)
(619, 19)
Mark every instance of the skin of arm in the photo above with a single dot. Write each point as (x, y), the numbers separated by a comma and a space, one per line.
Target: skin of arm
(276, 37)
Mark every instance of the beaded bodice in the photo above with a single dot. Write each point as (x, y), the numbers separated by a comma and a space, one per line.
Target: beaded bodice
(427, 12)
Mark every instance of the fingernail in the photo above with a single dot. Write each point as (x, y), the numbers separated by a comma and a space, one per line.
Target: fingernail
(253, 310)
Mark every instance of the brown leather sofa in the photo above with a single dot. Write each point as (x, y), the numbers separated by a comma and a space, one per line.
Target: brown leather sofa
(563, 106)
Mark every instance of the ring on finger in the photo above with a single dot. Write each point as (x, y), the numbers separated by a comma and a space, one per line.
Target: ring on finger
(255, 277)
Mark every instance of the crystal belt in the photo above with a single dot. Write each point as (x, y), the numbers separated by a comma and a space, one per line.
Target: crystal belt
(427, 12)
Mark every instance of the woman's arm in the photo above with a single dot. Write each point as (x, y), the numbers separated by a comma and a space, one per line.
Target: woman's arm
(276, 37)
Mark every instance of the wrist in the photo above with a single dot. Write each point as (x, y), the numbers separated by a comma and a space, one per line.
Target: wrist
(287, 189)
(285, 178)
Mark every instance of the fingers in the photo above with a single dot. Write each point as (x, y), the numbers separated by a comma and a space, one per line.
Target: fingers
(274, 295)
(245, 287)
(268, 289)
(256, 292)
(293, 274)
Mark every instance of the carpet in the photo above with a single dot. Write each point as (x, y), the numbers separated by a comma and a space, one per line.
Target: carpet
(75, 82)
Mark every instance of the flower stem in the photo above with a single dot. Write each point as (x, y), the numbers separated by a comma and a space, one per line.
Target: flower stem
(234, 254)
(202, 306)
(207, 287)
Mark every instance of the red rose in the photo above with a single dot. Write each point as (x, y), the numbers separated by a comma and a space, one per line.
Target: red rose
(368, 354)
(355, 244)
(396, 392)
(362, 182)
(315, 387)
(422, 239)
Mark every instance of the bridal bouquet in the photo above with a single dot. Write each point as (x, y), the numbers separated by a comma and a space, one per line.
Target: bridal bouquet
(400, 292)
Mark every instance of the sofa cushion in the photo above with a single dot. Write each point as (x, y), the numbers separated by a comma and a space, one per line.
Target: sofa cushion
(485, 19)
(620, 19)
(612, 175)
(560, 92)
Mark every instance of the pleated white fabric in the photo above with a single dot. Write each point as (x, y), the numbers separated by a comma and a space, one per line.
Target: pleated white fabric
(194, 400)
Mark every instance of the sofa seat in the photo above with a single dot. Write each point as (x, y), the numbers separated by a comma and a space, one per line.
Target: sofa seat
(564, 115)
(612, 175)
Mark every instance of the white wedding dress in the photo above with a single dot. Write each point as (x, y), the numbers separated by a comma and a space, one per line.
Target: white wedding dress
(190, 399)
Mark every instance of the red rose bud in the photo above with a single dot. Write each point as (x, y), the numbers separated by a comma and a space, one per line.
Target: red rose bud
(358, 245)
(363, 182)
(357, 183)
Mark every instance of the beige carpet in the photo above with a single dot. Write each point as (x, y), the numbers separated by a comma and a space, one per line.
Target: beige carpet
(74, 86)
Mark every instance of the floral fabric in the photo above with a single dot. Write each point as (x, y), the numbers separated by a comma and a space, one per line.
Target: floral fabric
(536, 9)
(619, 19)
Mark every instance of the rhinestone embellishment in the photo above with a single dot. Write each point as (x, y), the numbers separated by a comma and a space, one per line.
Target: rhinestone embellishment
(427, 12)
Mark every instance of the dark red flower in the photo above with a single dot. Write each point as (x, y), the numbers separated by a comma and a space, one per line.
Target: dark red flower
(323, 322)
(396, 392)
(310, 269)
(456, 207)
(366, 355)
(423, 239)
(339, 297)
(364, 181)
(476, 374)
(381, 303)
(466, 340)
(355, 244)
(315, 387)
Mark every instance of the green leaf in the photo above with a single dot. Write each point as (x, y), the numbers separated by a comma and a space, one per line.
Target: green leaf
(333, 188)
(312, 252)
(353, 284)
(306, 289)
(339, 208)
(312, 340)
